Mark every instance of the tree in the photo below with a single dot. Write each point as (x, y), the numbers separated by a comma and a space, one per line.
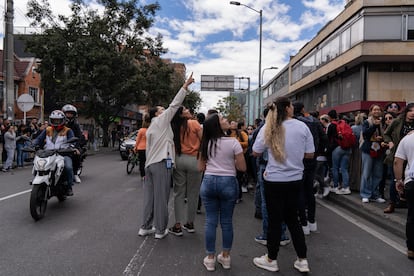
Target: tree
(230, 108)
(103, 60)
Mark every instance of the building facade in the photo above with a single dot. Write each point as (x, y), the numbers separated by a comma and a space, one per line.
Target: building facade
(26, 81)
(364, 55)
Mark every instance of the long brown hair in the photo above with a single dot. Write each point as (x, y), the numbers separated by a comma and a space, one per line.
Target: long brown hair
(274, 131)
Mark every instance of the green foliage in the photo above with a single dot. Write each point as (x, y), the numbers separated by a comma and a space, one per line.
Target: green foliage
(230, 108)
(103, 59)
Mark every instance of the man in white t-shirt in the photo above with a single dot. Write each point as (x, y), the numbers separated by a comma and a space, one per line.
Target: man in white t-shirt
(405, 183)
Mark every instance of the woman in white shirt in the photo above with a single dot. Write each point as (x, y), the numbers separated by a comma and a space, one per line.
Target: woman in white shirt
(287, 141)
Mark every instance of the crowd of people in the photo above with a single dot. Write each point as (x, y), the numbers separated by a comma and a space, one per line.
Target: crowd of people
(211, 161)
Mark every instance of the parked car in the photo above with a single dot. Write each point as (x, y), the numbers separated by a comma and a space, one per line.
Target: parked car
(127, 144)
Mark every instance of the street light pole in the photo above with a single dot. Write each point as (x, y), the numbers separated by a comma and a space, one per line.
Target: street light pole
(268, 68)
(260, 12)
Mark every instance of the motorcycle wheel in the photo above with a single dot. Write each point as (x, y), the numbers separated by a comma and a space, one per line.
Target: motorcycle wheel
(130, 166)
(38, 202)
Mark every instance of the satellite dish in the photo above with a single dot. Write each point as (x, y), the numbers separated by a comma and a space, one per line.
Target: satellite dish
(25, 102)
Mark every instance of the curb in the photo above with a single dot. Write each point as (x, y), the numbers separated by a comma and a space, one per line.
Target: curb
(394, 223)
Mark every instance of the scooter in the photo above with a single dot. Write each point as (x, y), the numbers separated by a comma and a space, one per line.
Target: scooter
(49, 177)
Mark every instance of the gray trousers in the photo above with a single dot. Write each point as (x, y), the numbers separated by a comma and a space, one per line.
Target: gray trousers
(187, 181)
(156, 194)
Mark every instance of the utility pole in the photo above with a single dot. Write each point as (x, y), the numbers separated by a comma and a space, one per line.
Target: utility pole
(8, 63)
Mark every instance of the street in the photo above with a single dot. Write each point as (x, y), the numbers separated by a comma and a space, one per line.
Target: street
(95, 233)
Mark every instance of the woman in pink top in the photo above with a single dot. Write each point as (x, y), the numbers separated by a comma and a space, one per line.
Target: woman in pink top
(186, 176)
(220, 156)
(140, 144)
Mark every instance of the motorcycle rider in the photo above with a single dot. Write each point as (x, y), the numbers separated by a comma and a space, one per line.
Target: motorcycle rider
(71, 114)
(54, 137)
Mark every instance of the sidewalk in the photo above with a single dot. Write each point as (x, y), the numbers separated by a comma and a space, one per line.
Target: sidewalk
(373, 212)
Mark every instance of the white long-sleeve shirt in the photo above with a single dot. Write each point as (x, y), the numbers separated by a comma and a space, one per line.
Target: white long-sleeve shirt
(160, 136)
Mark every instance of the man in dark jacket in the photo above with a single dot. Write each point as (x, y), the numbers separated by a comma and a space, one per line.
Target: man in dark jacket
(307, 198)
(71, 114)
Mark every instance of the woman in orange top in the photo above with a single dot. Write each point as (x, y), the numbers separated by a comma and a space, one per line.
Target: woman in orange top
(140, 144)
(186, 176)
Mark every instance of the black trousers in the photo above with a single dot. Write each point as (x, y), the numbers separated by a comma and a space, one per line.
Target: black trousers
(282, 206)
(142, 158)
(307, 205)
(409, 228)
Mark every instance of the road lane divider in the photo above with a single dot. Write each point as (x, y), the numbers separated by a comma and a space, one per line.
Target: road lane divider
(14, 195)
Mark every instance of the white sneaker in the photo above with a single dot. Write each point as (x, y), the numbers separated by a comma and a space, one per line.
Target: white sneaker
(365, 200)
(380, 200)
(210, 264)
(244, 189)
(284, 242)
(225, 262)
(312, 227)
(326, 191)
(334, 189)
(163, 235)
(306, 229)
(263, 262)
(343, 191)
(76, 178)
(145, 232)
(301, 265)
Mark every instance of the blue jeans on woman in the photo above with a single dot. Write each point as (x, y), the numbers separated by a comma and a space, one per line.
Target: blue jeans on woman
(371, 175)
(20, 154)
(219, 195)
(340, 160)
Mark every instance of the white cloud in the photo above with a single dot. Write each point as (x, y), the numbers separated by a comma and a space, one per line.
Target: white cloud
(214, 37)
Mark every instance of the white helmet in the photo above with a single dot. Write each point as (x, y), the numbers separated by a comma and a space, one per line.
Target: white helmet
(57, 119)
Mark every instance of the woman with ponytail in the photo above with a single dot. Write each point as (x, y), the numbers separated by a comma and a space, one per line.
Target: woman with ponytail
(287, 141)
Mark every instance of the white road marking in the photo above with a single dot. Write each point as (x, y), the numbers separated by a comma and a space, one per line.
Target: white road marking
(366, 228)
(147, 254)
(14, 195)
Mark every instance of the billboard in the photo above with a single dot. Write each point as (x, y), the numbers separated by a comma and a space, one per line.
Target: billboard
(217, 83)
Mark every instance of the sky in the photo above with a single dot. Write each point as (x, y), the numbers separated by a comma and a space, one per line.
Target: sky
(212, 37)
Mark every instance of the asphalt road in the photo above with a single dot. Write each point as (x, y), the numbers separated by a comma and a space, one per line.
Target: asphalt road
(95, 233)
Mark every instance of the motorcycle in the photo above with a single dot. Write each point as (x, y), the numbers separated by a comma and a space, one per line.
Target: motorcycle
(49, 177)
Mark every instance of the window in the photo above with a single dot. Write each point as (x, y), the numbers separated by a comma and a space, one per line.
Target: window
(34, 92)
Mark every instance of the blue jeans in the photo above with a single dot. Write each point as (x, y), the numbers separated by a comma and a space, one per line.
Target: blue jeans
(371, 175)
(69, 170)
(219, 195)
(340, 160)
(257, 192)
(20, 154)
(284, 236)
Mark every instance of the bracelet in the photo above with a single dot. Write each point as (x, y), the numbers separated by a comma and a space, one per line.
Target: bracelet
(398, 180)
